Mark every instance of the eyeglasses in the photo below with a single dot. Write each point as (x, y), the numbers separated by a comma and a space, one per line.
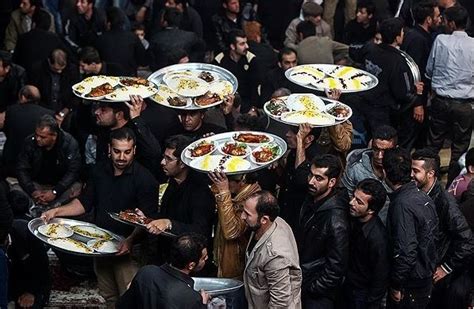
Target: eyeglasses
(169, 159)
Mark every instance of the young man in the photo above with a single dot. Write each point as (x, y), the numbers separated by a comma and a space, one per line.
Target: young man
(367, 275)
(170, 285)
(455, 243)
(451, 106)
(323, 234)
(272, 275)
(117, 184)
(363, 28)
(412, 225)
(226, 21)
(461, 183)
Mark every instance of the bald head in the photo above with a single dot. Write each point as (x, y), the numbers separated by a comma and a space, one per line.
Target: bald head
(29, 93)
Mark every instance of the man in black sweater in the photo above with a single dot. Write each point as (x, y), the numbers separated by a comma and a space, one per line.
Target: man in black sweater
(412, 225)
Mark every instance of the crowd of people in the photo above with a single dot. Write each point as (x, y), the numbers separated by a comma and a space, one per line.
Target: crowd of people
(355, 215)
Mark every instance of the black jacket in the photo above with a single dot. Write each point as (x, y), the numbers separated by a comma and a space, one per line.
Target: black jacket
(161, 287)
(80, 32)
(412, 224)
(455, 243)
(323, 244)
(222, 27)
(6, 213)
(20, 121)
(68, 162)
(11, 85)
(355, 33)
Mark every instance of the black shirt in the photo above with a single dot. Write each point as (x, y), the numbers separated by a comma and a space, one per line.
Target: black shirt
(355, 33)
(49, 174)
(104, 192)
(205, 128)
(369, 261)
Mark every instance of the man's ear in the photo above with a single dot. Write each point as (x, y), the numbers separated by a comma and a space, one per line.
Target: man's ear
(232, 46)
(332, 182)
(109, 150)
(309, 139)
(191, 266)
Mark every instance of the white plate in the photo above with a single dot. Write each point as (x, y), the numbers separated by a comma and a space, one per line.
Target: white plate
(332, 105)
(221, 87)
(188, 86)
(103, 246)
(177, 74)
(305, 101)
(90, 82)
(91, 232)
(212, 162)
(269, 138)
(316, 119)
(188, 153)
(307, 74)
(124, 93)
(269, 145)
(55, 230)
(214, 75)
(70, 245)
(222, 145)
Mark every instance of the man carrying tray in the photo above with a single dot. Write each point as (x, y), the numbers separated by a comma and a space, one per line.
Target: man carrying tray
(116, 184)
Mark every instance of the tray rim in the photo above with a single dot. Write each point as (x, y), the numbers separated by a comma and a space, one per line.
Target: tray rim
(116, 217)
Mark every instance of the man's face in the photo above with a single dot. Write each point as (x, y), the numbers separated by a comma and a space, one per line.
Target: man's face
(379, 146)
(105, 116)
(436, 19)
(83, 6)
(250, 215)
(378, 38)
(202, 261)
(240, 47)
(56, 68)
(172, 4)
(170, 164)
(191, 120)
(318, 182)
(85, 68)
(140, 34)
(291, 139)
(400, 37)
(360, 204)
(26, 7)
(232, 6)
(45, 138)
(419, 174)
(4, 70)
(288, 61)
(122, 153)
(316, 20)
(363, 17)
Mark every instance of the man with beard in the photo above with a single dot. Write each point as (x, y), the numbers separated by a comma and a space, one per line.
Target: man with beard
(272, 275)
(116, 184)
(227, 20)
(455, 243)
(412, 225)
(170, 285)
(323, 234)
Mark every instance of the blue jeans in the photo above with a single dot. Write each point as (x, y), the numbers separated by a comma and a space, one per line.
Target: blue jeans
(3, 279)
(53, 7)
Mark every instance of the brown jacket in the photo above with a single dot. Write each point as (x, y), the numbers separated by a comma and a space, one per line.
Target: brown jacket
(230, 240)
(272, 276)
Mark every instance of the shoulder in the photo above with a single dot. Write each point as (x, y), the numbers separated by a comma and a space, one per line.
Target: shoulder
(294, 22)
(356, 156)
(148, 274)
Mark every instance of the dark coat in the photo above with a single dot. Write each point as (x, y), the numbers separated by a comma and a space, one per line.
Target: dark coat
(11, 85)
(68, 162)
(20, 121)
(412, 225)
(323, 243)
(80, 32)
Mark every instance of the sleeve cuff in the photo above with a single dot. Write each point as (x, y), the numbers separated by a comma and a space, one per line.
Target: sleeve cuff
(445, 267)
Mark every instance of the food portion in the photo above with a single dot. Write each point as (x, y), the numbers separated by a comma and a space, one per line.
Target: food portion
(222, 163)
(207, 99)
(134, 81)
(221, 87)
(202, 148)
(91, 232)
(252, 138)
(207, 76)
(132, 217)
(266, 153)
(103, 246)
(188, 86)
(339, 111)
(234, 149)
(70, 245)
(276, 107)
(302, 102)
(100, 91)
(311, 117)
(177, 101)
(55, 230)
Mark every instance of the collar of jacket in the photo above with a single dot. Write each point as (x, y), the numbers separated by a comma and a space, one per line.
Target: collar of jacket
(262, 239)
(369, 225)
(339, 200)
(435, 190)
(178, 274)
(406, 187)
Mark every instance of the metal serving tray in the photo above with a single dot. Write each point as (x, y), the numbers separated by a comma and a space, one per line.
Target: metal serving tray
(116, 217)
(415, 71)
(34, 224)
(217, 286)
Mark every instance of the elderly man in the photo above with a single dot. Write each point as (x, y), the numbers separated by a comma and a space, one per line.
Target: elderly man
(272, 274)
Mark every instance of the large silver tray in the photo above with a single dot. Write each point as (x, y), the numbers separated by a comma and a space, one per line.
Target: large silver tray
(217, 286)
(415, 71)
(116, 217)
(373, 79)
(325, 100)
(34, 224)
(224, 137)
(157, 79)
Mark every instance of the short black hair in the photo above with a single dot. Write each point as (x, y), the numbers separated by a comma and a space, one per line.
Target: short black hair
(306, 28)
(48, 121)
(247, 122)
(368, 5)
(175, 55)
(458, 14)
(329, 161)
(390, 28)
(172, 17)
(377, 192)
(470, 157)
(385, 133)
(286, 51)
(431, 158)
(41, 19)
(423, 10)
(123, 134)
(5, 58)
(115, 17)
(89, 55)
(178, 143)
(234, 34)
(267, 204)
(138, 26)
(397, 165)
(186, 248)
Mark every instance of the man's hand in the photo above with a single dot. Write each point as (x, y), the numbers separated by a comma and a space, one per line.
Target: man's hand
(439, 274)
(227, 104)
(158, 226)
(136, 106)
(333, 94)
(141, 14)
(50, 214)
(419, 113)
(419, 88)
(303, 131)
(396, 295)
(125, 246)
(26, 300)
(220, 181)
(205, 297)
